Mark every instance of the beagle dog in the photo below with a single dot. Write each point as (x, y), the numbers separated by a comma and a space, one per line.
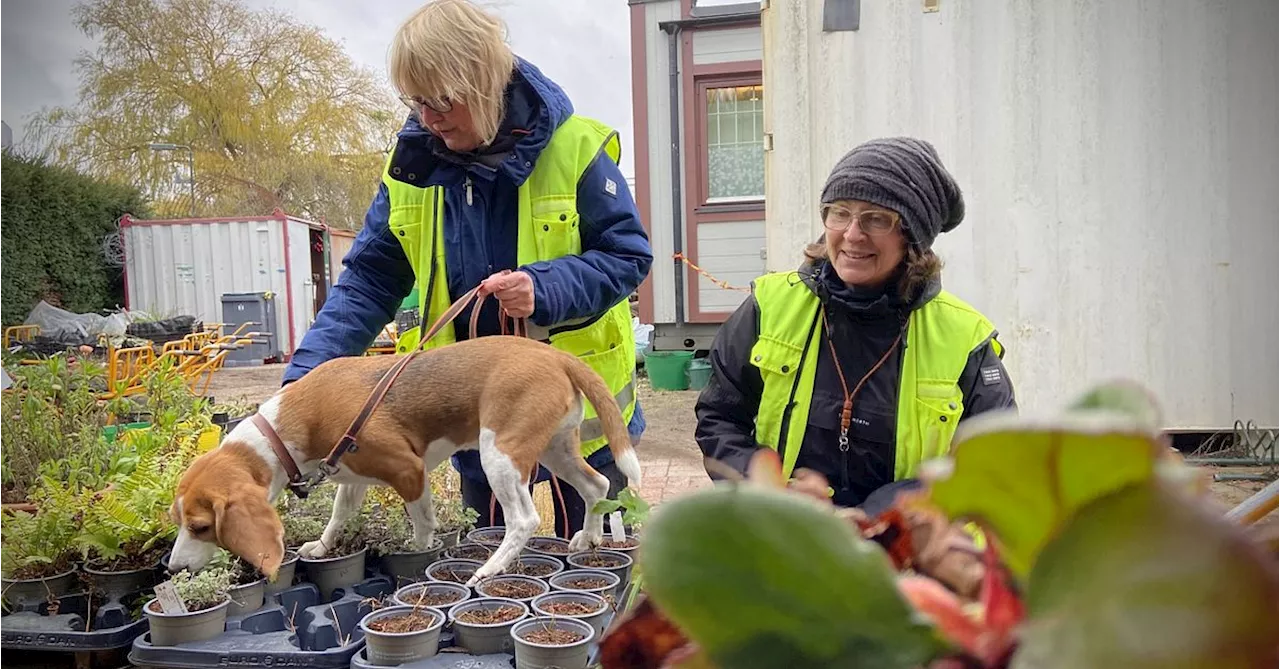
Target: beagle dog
(518, 401)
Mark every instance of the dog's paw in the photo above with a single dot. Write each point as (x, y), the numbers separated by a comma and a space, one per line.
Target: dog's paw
(485, 571)
(421, 543)
(313, 550)
(585, 541)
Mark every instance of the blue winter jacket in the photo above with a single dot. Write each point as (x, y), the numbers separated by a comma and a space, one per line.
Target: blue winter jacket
(480, 239)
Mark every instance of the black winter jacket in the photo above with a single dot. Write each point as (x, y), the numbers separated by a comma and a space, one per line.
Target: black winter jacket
(864, 326)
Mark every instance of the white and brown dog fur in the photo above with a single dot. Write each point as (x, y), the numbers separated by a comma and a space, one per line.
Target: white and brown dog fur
(518, 401)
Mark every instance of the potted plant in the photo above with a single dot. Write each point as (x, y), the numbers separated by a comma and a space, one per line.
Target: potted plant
(488, 536)
(603, 583)
(389, 535)
(483, 626)
(401, 634)
(202, 608)
(634, 511)
(469, 551)
(284, 577)
(537, 566)
(127, 529)
(547, 641)
(38, 548)
(590, 608)
(440, 595)
(552, 547)
(512, 586)
(343, 564)
(453, 570)
(453, 517)
(247, 590)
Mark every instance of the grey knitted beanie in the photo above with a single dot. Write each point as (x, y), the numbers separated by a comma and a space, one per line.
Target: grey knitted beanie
(903, 174)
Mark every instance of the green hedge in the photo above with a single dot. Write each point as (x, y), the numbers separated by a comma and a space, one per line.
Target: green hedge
(54, 222)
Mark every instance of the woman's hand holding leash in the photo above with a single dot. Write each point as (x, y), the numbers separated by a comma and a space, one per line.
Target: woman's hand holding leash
(513, 290)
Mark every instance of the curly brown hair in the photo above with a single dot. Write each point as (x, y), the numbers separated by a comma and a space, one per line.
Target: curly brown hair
(921, 267)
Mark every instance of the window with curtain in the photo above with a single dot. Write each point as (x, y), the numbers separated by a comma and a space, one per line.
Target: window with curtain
(735, 143)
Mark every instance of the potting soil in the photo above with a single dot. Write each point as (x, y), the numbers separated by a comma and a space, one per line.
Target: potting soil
(489, 616)
(629, 543)
(569, 608)
(43, 569)
(534, 569)
(552, 636)
(549, 547)
(409, 622)
(585, 583)
(476, 552)
(134, 558)
(453, 575)
(425, 598)
(600, 561)
(510, 589)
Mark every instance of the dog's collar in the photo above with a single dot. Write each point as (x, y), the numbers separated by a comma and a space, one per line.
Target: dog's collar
(296, 483)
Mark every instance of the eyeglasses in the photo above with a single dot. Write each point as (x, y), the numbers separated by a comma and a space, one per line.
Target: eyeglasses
(874, 222)
(442, 105)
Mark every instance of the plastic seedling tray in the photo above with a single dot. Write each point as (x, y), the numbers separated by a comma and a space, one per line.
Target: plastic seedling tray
(76, 626)
(295, 629)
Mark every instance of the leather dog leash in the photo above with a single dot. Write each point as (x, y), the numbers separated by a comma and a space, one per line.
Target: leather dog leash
(301, 486)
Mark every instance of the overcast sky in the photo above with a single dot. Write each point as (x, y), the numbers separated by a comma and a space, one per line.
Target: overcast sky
(590, 56)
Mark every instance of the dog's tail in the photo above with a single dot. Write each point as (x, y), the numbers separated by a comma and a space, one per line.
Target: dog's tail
(590, 384)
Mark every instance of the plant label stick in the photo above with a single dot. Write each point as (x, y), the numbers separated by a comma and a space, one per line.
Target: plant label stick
(615, 527)
(170, 602)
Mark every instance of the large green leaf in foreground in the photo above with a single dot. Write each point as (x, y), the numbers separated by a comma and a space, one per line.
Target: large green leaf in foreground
(762, 578)
(1143, 578)
(1024, 479)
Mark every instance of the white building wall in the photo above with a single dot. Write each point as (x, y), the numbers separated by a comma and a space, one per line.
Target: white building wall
(660, 204)
(1118, 165)
(727, 45)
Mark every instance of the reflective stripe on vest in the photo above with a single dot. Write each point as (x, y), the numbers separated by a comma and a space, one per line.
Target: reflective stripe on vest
(940, 336)
(547, 229)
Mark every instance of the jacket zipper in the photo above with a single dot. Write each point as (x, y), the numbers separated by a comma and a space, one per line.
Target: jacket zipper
(468, 187)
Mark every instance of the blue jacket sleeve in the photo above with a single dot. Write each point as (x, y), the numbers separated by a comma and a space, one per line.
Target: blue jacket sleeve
(615, 256)
(377, 278)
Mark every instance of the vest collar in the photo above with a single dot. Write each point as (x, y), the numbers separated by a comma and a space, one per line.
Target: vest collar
(822, 279)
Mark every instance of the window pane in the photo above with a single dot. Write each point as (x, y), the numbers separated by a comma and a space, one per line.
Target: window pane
(735, 146)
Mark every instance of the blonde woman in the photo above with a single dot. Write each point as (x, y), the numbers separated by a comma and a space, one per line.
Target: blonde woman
(494, 181)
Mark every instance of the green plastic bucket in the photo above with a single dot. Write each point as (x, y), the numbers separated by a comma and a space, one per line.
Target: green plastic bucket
(667, 369)
(699, 373)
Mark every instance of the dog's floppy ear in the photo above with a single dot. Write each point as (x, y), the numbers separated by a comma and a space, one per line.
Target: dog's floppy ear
(250, 528)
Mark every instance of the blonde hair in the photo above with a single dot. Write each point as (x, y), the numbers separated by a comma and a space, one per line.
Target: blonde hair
(454, 49)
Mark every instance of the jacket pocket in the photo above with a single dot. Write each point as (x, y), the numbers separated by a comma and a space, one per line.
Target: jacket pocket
(776, 357)
(555, 227)
(405, 223)
(939, 405)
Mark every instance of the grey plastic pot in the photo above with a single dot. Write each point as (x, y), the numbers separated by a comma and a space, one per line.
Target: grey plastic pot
(560, 582)
(599, 608)
(546, 566)
(485, 639)
(449, 537)
(462, 569)
(483, 587)
(329, 574)
(247, 598)
(489, 536)
(284, 578)
(173, 629)
(116, 583)
(410, 567)
(531, 655)
(409, 594)
(38, 589)
(467, 550)
(538, 546)
(621, 568)
(388, 649)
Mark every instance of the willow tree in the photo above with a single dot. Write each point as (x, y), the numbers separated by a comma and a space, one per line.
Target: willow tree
(275, 113)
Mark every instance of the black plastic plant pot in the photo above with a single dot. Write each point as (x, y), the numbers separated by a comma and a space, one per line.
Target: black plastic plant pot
(567, 646)
(20, 591)
(437, 595)
(449, 537)
(453, 571)
(595, 581)
(468, 550)
(115, 583)
(630, 545)
(284, 577)
(247, 598)
(552, 547)
(389, 649)
(172, 629)
(489, 536)
(590, 608)
(537, 566)
(330, 574)
(613, 562)
(487, 635)
(410, 567)
(512, 586)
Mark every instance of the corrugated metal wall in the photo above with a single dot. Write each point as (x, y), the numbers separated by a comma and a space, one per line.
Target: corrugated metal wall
(1119, 168)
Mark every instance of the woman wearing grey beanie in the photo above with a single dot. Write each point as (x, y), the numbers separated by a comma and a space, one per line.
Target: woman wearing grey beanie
(857, 366)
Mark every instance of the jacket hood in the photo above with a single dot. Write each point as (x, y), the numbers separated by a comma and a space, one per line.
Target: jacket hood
(535, 108)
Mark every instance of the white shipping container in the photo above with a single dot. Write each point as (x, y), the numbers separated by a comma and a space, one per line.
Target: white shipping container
(184, 266)
(1119, 170)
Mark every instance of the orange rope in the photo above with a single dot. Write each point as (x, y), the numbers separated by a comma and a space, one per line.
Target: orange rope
(723, 284)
